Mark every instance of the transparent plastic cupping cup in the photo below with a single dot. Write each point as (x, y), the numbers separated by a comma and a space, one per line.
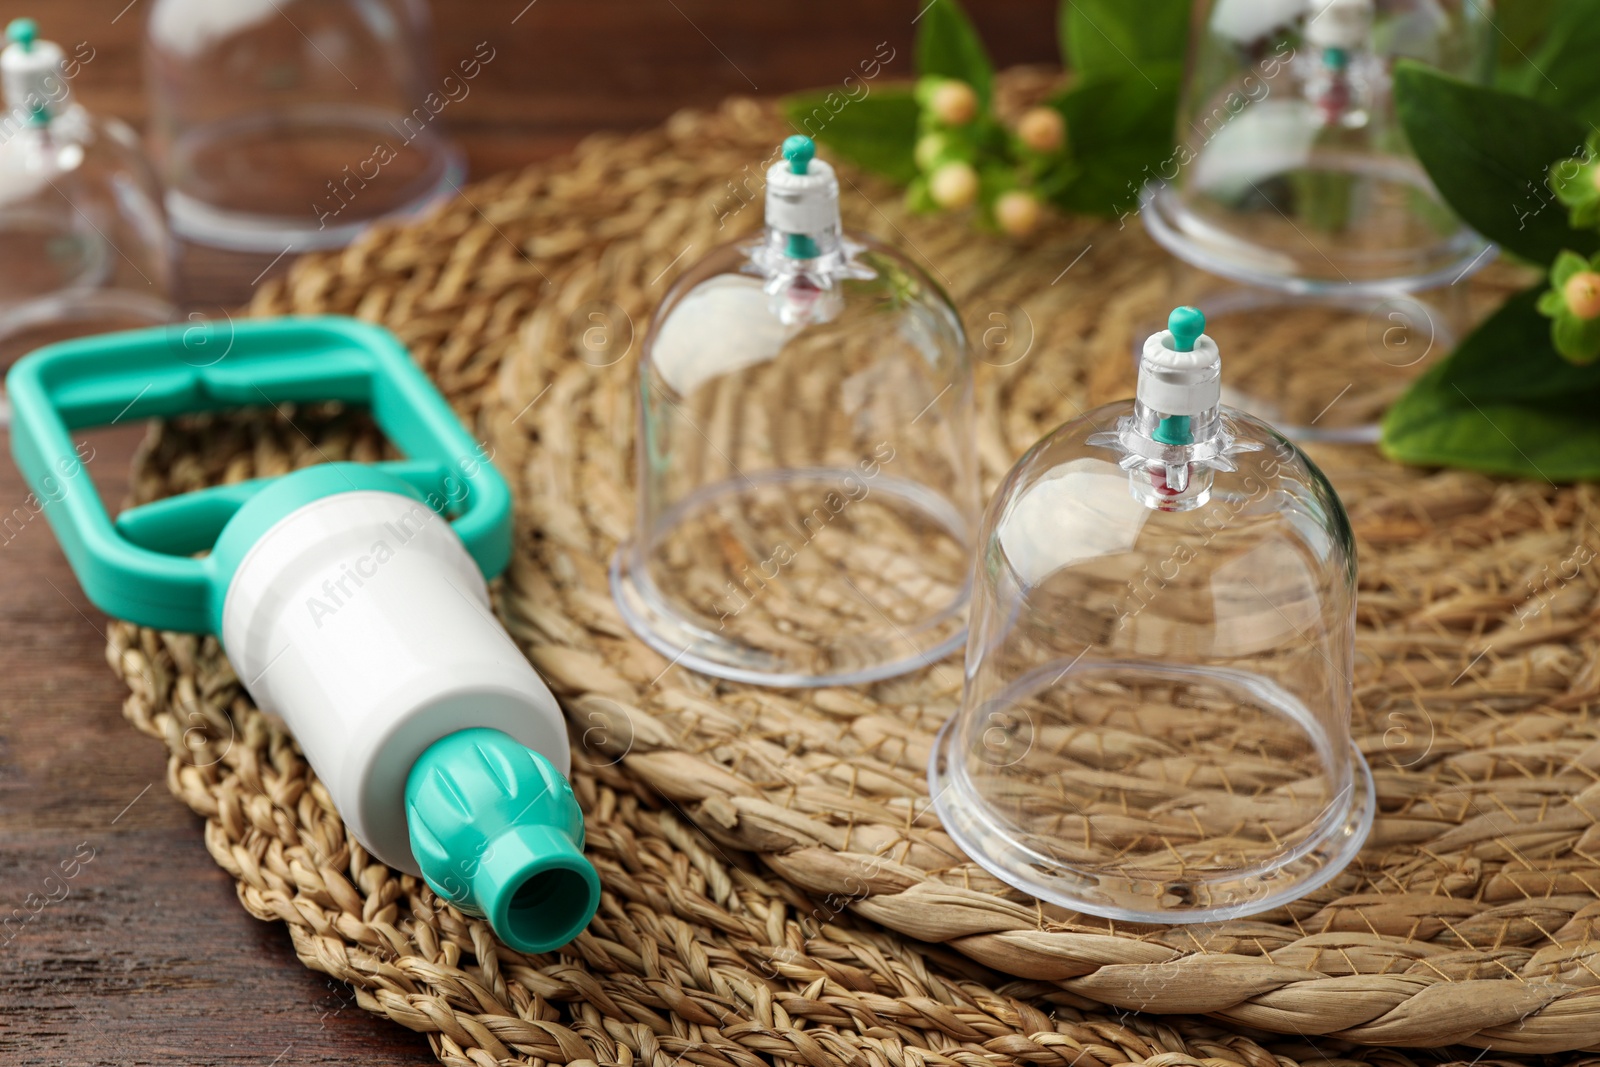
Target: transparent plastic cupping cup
(1155, 724)
(84, 246)
(806, 465)
(1290, 169)
(296, 123)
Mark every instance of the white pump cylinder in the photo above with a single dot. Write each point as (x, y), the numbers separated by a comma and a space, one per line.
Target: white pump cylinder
(361, 621)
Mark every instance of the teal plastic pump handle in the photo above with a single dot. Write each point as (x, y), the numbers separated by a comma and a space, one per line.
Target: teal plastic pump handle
(142, 567)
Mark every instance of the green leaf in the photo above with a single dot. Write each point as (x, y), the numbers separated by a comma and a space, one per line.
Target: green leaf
(1114, 38)
(1577, 340)
(1521, 24)
(1566, 265)
(1563, 71)
(1519, 29)
(877, 132)
(1488, 152)
(948, 46)
(1504, 402)
(1551, 303)
(1573, 181)
(918, 199)
(1120, 130)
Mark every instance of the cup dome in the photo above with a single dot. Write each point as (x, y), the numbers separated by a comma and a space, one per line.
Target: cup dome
(1155, 724)
(296, 123)
(84, 246)
(806, 462)
(1291, 170)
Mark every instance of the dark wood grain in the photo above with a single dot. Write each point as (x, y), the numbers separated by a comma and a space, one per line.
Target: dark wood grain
(149, 958)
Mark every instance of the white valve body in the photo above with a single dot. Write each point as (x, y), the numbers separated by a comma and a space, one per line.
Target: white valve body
(361, 621)
(1180, 383)
(802, 203)
(33, 77)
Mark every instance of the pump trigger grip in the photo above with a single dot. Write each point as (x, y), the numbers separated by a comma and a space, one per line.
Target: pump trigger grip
(143, 566)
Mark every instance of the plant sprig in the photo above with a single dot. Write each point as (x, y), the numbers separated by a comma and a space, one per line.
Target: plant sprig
(1521, 394)
(1081, 151)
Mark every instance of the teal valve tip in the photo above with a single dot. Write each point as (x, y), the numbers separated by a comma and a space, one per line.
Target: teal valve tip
(1174, 430)
(799, 151)
(801, 246)
(23, 32)
(1186, 324)
(496, 831)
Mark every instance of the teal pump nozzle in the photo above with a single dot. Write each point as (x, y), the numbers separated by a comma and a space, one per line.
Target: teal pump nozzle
(497, 832)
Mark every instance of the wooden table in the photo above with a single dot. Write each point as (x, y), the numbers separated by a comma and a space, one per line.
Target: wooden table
(150, 959)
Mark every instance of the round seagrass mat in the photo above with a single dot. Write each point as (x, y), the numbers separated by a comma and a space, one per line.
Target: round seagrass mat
(776, 889)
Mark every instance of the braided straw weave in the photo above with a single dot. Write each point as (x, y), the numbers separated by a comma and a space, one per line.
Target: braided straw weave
(776, 890)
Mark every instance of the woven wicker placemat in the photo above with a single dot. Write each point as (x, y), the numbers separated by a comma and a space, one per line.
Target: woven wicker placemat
(745, 837)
